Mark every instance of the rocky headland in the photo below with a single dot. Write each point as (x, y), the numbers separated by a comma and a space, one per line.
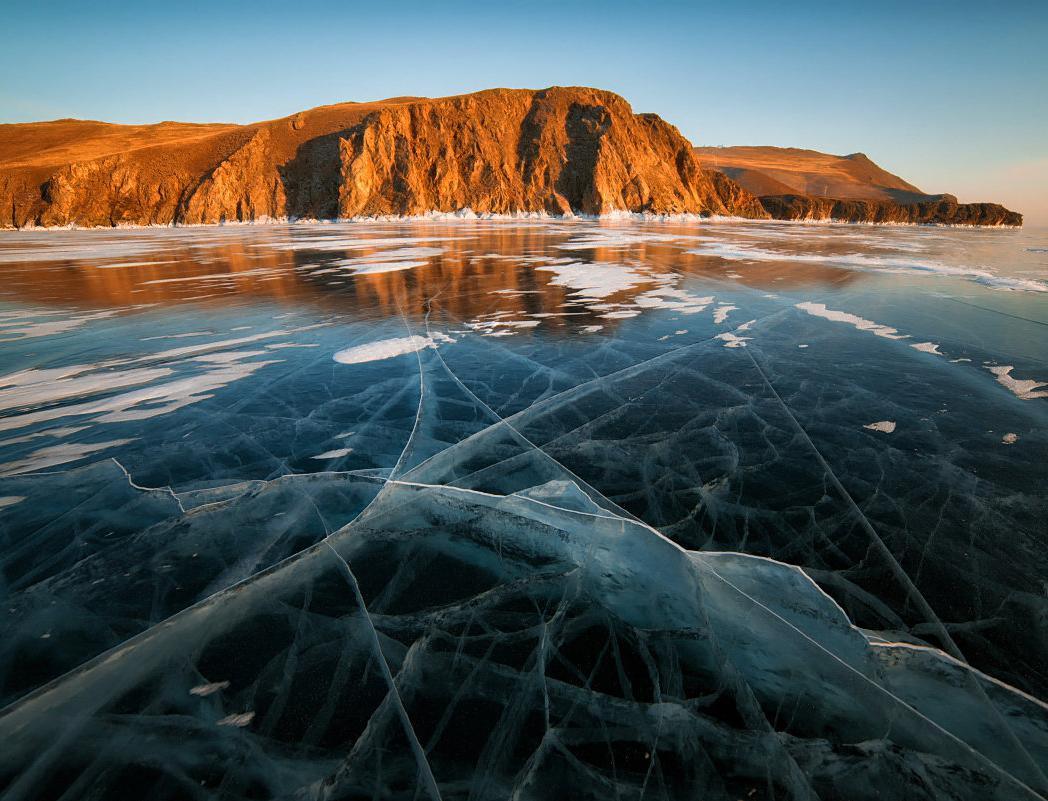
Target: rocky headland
(796, 184)
(560, 151)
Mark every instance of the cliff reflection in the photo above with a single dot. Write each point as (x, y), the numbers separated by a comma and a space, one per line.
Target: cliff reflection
(378, 270)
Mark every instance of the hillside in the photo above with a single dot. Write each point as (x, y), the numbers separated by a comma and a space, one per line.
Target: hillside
(796, 184)
(790, 170)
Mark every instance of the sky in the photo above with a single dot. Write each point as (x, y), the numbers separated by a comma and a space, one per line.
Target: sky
(952, 96)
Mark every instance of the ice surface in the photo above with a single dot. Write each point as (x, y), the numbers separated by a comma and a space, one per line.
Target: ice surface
(506, 524)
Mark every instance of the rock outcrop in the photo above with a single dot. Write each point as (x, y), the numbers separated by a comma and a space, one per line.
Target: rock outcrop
(560, 150)
(795, 184)
(941, 210)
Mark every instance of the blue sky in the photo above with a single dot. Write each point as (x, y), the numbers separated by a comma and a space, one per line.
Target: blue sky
(952, 96)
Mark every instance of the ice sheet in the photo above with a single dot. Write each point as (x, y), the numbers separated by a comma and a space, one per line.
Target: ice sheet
(562, 510)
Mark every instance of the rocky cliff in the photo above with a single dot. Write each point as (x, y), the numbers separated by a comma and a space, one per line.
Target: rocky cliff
(941, 210)
(559, 150)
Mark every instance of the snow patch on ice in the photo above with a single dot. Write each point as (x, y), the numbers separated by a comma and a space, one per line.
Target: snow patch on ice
(337, 453)
(204, 690)
(1021, 388)
(388, 348)
(593, 280)
(731, 340)
(884, 426)
(927, 347)
(720, 314)
(820, 310)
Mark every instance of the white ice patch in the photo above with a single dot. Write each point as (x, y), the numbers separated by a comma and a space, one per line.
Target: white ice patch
(388, 348)
(387, 267)
(132, 264)
(10, 500)
(720, 314)
(56, 455)
(884, 426)
(1010, 438)
(178, 336)
(595, 280)
(927, 347)
(335, 454)
(46, 328)
(612, 238)
(731, 340)
(820, 310)
(218, 277)
(500, 328)
(673, 299)
(240, 720)
(1027, 390)
(388, 261)
(321, 243)
(732, 251)
(204, 690)
(139, 404)
(33, 388)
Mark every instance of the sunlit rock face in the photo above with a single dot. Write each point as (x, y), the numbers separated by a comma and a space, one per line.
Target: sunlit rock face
(562, 151)
(545, 509)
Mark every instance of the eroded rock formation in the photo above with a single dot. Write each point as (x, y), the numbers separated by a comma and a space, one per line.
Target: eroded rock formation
(559, 150)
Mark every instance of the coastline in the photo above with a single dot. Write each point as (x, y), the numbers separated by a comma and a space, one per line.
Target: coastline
(468, 215)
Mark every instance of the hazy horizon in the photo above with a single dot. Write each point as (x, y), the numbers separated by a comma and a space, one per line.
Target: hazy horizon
(948, 96)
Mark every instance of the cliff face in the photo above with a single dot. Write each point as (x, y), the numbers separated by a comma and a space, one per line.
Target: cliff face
(559, 150)
(942, 210)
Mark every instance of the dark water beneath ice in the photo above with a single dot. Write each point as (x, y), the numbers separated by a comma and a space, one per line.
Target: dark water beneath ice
(535, 509)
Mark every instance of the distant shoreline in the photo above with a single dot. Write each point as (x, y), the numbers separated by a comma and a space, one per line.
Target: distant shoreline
(467, 215)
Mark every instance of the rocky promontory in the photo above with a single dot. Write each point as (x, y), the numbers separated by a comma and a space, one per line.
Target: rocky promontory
(560, 151)
(940, 210)
(797, 184)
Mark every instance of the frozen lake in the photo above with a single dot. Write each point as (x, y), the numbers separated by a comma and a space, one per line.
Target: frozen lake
(530, 509)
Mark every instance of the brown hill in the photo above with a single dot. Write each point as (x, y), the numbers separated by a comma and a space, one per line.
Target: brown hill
(790, 170)
(557, 150)
(795, 184)
(939, 210)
